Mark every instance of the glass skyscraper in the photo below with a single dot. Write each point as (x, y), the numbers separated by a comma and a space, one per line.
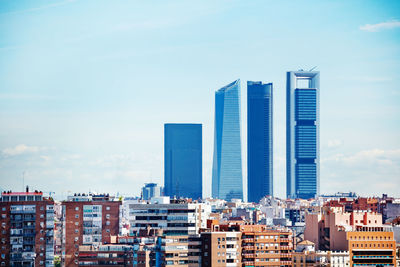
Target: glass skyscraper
(183, 160)
(259, 141)
(227, 182)
(302, 134)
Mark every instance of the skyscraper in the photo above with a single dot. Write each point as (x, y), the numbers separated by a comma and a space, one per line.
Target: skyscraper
(227, 163)
(183, 160)
(259, 141)
(302, 134)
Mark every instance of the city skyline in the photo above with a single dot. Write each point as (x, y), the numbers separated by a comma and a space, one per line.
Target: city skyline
(84, 96)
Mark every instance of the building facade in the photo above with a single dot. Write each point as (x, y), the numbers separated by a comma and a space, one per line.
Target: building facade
(27, 229)
(227, 181)
(172, 218)
(302, 134)
(372, 246)
(183, 160)
(88, 220)
(259, 140)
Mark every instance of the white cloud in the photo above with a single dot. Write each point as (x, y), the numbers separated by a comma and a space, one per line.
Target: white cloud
(380, 26)
(21, 149)
(367, 172)
(334, 143)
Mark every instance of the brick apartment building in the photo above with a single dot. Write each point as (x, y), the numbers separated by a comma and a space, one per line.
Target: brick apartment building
(246, 245)
(88, 220)
(27, 229)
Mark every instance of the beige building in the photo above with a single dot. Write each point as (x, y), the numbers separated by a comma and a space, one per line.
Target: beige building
(221, 248)
(327, 229)
(372, 246)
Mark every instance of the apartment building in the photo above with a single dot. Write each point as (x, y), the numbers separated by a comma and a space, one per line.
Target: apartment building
(27, 229)
(327, 229)
(372, 246)
(88, 220)
(173, 217)
(106, 255)
(221, 248)
(246, 245)
(178, 250)
(263, 246)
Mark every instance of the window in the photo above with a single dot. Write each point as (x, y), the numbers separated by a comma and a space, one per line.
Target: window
(77, 208)
(3, 216)
(76, 238)
(107, 208)
(76, 231)
(41, 216)
(76, 216)
(107, 222)
(107, 230)
(3, 208)
(76, 223)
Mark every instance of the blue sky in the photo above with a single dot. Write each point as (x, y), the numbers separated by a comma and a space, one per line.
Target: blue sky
(86, 86)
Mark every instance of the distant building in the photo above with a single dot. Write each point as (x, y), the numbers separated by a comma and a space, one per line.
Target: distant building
(227, 181)
(88, 220)
(150, 190)
(183, 160)
(302, 134)
(27, 235)
(259, 140)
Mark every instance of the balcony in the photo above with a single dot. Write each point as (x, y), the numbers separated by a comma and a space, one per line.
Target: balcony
(29, 218)
(249, 255)
(29, 234)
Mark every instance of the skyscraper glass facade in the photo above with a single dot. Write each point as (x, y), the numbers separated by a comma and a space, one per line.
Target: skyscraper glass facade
(259, 141)
(302, 136)
(183, 160)
(227, 181)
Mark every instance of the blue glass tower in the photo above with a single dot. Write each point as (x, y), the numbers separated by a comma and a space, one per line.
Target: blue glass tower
(302, 134)
(259, 141)
(183, 160)
(227, 180)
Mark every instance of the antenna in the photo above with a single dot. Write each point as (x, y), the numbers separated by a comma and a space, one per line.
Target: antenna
(313, 68)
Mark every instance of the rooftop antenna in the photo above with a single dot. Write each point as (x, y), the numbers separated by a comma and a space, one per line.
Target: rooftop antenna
(313, 68)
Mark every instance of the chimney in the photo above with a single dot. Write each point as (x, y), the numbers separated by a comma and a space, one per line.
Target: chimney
(27, 189)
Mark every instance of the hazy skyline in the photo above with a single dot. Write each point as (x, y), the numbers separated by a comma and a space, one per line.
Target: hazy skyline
(86, 87)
